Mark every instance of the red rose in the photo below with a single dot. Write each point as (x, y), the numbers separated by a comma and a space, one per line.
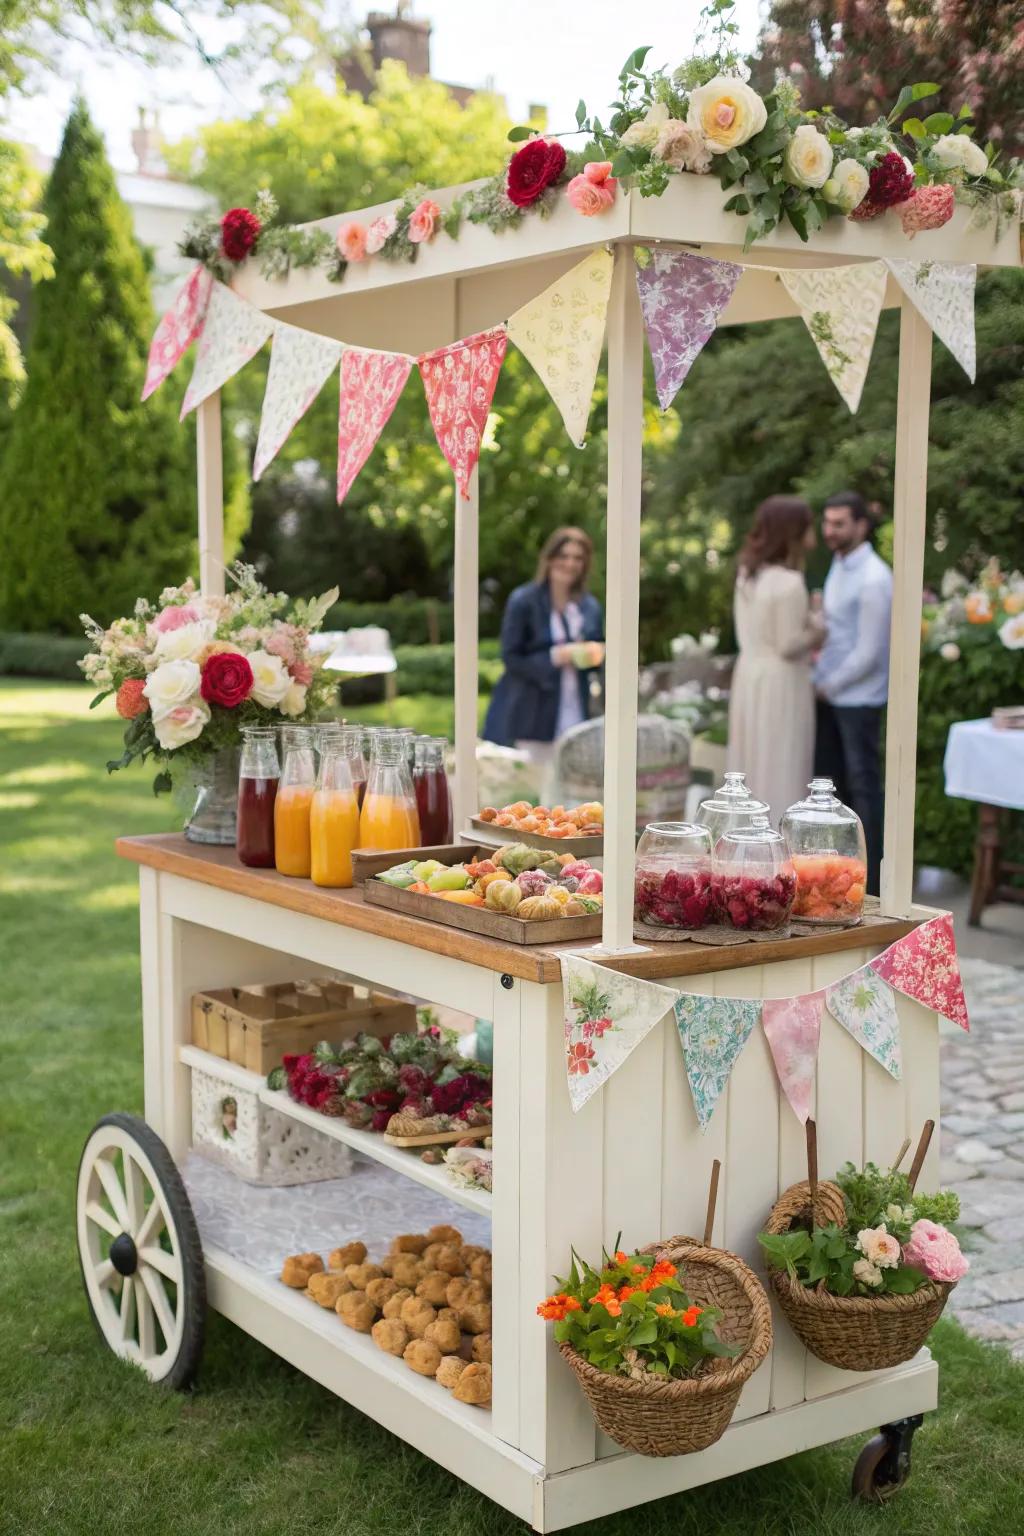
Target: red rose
(239, 232)
(227, 679)
(533, 168)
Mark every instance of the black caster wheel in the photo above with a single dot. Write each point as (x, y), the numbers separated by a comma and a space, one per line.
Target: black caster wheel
(883, 1466)
(139, 1251)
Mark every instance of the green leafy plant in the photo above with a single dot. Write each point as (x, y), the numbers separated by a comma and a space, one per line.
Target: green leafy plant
(633, 1318)
(828, 1256)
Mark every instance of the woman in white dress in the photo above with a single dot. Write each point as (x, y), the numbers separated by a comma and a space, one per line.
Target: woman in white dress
(771, 702)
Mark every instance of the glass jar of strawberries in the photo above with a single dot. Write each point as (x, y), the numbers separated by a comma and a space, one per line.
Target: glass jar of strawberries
(752, 879)
(673, 876)
(826, 841)
(731, 805)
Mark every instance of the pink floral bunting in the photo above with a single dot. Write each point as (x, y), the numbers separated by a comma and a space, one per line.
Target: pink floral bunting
(178, 328)
(682, 297)
(792, 1027)
(459, 382)
(371, 383)
(924, 966)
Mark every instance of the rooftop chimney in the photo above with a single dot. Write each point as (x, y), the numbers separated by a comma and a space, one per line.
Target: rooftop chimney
(400, 36)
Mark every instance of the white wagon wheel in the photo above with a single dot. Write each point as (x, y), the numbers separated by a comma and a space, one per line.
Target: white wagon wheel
(139, 1251)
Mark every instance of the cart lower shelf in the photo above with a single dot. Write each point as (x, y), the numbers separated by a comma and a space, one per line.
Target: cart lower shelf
(461, 1439)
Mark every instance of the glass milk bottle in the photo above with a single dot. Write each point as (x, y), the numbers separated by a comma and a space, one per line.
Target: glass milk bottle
(389, 818)
(294, 798)
(333, 818)
(258, 778)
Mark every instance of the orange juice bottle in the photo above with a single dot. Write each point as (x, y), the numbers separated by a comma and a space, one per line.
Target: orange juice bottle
(333, 820)
(292, 806)
(389, 818)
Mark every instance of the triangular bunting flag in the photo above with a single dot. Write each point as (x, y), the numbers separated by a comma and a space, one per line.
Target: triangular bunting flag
(233, 332)
(713, 1031)
(840, 307)
(178, 328)
(865, 1005)
(606, 1014)
(459, 382)
(792, 1027)
(371, 383)
(681, 296)
(299, 364)
(924, 966)
(561, 333)
(943, 294)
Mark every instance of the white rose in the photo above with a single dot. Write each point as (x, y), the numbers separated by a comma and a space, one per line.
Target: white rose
(270, 678)
(867, 1273)
(957, 151)
(186, 642)
(808, 158)
(847, 186)
(683, 148)
(294, 701)
(950, 651)
(184, 723)
(170, 685)
(1012, 633)
(643, 134)
(727, 112)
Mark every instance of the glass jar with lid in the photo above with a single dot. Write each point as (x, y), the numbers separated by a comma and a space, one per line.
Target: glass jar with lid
(826, 841)
(672, 883)
(752, 878)
(731, 805)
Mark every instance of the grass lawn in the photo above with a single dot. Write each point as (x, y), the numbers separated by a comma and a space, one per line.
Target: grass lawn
(88, 1447)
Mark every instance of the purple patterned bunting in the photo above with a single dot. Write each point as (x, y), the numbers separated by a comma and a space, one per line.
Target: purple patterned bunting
(681, 296)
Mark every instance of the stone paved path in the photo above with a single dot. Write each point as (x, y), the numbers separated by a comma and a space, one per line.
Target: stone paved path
(983, 1150)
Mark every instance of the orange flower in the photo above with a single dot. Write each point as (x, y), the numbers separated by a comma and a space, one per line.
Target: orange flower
(664, 1270)
(638, 1269)
(691, 1315)
(603, 1296)
(621, 1258)
(650, 1284)
(665, 1309)
(613, 1309)
(627, 1291)
(555, 1307)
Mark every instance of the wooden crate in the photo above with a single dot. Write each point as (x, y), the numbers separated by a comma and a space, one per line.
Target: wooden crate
(496, 925)
(255, 1026)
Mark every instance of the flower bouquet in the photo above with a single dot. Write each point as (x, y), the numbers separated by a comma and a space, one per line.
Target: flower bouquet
(662, 1341)
(863, 1267)
(188, 672)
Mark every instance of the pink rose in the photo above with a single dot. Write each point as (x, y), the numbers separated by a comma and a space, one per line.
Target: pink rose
(423, 223)
(379, 232)
(879, 1247)
(176, 617)
(351, 240)
(594, 191)
(301, 672)
(935, 1250)
(281, 642)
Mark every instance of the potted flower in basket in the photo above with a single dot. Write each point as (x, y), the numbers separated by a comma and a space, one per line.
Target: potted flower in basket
(188, 672)
(662, 1341)
(863, 1267)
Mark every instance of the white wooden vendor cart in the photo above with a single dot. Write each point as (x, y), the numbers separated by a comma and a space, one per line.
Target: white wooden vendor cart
(634, 1158)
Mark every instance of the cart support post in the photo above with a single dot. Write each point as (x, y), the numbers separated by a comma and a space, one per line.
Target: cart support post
(210, 463)
(625, 466)
(467, 626)
(910, 492)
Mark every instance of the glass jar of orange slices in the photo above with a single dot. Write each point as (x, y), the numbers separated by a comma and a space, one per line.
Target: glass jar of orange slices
(826, 841)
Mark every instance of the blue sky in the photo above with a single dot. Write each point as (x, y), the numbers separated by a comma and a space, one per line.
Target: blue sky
(547, 51)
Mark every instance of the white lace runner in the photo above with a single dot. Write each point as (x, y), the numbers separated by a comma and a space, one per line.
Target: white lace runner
(261, 1227)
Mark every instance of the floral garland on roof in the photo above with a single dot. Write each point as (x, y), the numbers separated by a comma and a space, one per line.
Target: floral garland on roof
(777, 162)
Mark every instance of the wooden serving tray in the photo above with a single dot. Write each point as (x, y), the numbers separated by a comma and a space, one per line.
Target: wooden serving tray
(579, 847)
(367, 862)
(496, 925)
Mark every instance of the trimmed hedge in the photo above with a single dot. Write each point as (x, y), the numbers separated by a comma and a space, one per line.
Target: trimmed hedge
(42, 656)
(408, 620)
(425, 669)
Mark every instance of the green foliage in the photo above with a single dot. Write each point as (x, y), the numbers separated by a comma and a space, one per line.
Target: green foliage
(41, 656)
(23, 253)
(99, 498)
(870, 1193)
(827, 1256)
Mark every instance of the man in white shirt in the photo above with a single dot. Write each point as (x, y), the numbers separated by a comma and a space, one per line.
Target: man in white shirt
(852, 672)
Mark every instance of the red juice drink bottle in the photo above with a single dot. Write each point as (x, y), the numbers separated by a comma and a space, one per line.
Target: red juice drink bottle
(258, 779)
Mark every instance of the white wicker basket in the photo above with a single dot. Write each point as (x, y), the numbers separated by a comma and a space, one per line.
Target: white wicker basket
(232, 1127)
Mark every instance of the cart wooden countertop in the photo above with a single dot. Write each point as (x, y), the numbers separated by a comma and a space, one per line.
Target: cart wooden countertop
(172, 853)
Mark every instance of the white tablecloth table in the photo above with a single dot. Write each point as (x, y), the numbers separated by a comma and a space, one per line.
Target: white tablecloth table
(985, 764)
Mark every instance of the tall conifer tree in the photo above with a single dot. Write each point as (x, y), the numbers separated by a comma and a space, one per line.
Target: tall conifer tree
(97, 495)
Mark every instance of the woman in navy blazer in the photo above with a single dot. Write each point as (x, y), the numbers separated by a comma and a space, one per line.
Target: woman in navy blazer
(545, 690)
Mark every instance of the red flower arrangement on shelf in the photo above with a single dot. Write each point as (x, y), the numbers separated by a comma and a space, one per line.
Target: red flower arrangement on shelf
(532, 169)
(239, 233)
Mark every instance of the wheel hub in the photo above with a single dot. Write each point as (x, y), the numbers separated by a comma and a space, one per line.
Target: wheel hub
(124, 1255)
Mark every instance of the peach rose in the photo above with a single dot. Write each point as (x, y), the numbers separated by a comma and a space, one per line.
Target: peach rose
(380, 231)
(351, 240)
(594, 190)
(423, 222)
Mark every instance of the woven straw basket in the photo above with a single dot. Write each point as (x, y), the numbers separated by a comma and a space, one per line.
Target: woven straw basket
(659, 1417)
(858, 1333)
